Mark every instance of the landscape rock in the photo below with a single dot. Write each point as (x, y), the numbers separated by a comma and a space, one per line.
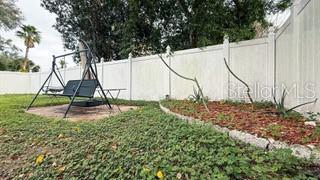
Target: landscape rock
(315, 155)
(166, 110)
(221, 129)
(277, 144)
(186, 118)
(249, 139)
(310, 123)
(196, 121)
(311, 147)
(300, 151)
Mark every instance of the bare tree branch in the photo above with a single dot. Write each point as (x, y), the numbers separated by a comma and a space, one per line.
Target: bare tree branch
(310, 102)
(248, 89)
(189, 79)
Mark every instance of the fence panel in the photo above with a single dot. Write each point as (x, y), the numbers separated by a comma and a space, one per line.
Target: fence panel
(249, 61)
(206, 65)
(115, 76)
(14, 82)
(297, 54)
(147, 78)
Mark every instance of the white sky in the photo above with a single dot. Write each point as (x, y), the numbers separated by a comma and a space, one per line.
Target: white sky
(51, 41)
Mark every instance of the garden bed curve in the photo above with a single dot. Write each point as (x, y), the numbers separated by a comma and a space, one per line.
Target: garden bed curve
(298, 150)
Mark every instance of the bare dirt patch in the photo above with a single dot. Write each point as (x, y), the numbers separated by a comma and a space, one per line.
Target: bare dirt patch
(79, 113)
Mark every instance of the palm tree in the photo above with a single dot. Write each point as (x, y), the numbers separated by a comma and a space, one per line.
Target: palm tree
(63, 63)
(30, 35)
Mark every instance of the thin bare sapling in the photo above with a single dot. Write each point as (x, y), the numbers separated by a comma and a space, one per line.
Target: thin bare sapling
(244, 83)
(203, 99)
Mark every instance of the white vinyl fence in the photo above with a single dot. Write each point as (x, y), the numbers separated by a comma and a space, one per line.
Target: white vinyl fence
(298, 54)
(290, 58)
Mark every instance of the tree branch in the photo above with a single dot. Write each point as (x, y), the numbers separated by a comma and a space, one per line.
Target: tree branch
(184, 8)
(310, 102)
(189, 79)
(248, 88)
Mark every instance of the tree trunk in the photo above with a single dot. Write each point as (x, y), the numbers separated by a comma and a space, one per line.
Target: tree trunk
(193, 39)
(25, 62)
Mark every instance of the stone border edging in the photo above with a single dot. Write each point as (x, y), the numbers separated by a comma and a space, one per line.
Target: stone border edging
(300, 151)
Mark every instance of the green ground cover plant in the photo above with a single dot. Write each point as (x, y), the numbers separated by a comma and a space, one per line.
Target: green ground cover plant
(138, 144)
(274, 129)
(224, 117)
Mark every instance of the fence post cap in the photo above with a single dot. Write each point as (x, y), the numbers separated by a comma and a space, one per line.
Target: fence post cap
(226, 37)
(271, 32)
(168, 48)
(168, 51)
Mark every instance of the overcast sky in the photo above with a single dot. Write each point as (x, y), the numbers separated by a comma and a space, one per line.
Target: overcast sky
(51, 41)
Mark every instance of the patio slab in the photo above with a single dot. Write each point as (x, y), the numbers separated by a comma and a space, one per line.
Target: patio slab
(79, 113)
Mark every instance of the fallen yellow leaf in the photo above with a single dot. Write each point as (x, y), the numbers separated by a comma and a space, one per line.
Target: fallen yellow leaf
(39, 159)
(77, 129)
(61, 169)
(159, 175)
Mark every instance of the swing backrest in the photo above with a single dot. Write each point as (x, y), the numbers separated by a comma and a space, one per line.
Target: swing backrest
(87, 88)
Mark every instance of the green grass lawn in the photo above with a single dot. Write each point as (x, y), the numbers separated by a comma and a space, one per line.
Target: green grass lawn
(135, 144)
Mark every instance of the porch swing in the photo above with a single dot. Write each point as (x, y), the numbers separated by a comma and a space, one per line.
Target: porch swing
(83, 88)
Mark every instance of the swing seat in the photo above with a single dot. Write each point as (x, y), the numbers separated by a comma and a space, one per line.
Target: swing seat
(86, 90)
(52, 89)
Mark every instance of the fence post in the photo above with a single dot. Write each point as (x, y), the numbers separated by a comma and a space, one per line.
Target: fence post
(80, 69)
(102, 72)
(64, 74)
(129, 82)
(30, 90)
(271, 68)
(167, 74)
(40, 72)
(226, 55)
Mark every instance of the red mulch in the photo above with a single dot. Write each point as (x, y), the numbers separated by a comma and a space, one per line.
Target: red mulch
(258, 121)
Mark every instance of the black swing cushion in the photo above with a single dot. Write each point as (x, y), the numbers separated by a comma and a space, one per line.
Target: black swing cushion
(87, 88)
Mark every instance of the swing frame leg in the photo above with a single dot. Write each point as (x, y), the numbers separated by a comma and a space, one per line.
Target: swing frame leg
(105, 99)
(35, 97)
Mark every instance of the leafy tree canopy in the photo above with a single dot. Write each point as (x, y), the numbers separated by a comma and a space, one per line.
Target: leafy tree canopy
(10, 15)
(9, 63)
(10, 58)
(114, 28)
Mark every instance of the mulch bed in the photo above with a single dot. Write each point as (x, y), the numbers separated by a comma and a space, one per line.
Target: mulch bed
(263, 122)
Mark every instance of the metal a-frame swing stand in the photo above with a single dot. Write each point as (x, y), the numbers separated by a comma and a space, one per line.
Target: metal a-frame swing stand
(76, 89)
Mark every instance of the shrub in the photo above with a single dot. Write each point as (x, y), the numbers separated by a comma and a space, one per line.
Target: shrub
(197, 97)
